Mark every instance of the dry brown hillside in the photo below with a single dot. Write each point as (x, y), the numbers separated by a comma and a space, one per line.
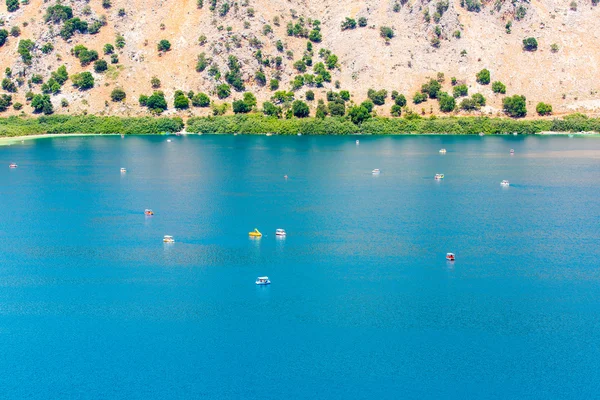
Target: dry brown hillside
(567, 78)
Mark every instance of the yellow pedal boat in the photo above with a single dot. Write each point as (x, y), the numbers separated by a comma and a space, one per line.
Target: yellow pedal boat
(255, 233)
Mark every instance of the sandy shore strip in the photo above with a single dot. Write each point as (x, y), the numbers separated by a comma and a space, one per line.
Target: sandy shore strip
(10, 140)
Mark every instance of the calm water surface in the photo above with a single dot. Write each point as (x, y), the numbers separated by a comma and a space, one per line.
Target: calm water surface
(363, 304)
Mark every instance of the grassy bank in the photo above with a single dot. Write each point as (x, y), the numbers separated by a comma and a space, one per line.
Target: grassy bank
(388, 126)
(17, 126)
(258, 124)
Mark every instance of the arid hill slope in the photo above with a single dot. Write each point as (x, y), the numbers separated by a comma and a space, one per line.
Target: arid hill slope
(567, 78)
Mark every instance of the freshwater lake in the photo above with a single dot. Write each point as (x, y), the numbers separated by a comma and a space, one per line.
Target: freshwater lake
(362, 305)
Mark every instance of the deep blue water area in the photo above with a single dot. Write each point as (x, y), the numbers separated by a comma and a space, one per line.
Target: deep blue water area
(362, 305)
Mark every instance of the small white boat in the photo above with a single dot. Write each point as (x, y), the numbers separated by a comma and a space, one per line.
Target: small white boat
(169, 140)
(299, 134)
(439, 176)
(442, 151)
(450, 256)
(481, 133)
(263, 280)
(12, 165)
(168, 239)
(357, 141)
(280, 232)
(123, 170)
(505, 183)
(269, 134)
(376, 171)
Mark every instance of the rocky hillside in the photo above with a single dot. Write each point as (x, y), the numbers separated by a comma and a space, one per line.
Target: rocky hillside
(456, 38)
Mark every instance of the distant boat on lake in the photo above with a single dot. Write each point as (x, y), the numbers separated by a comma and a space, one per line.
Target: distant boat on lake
(168, 239)
(505, 183)
(442, 151)
(123, 170)
(376, 171)
(255, 233)
(438, 176)
(263, 280)
(450, 256)
(12, 165)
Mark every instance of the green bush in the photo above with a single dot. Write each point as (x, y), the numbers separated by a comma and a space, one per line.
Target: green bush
(3, 36)
(447, 102)
(120, 41)
(60, 75)
(47, 48)
(419, 97)
(84, 55)
(223, 91)
(100, 66)
(37, 79)
(543, 109)
(12, 5)
(200, 100)
(24, 49)
(5, 102)
(41, 103)
(471, 5)
(515, 106)
(300, 109)
(180, 100)
(118, 94)
(530, 44)
(396, 110)
(274, 84)
(362, 22)
(377, 96)
(348, 23)
(58, 13)
(498, 87)
(483, 77)
(400, 100)
(310, 95)
(83, 80)
(72, 25)
(271, 110)
(260, 78)
(164, 45)
(478, 99)
(358, 114)
(9, 85)
(460, 91)
(202, 62)
(432, 88)
(386, 32)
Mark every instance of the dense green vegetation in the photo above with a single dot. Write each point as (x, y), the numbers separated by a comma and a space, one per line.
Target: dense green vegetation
(257, 124)
(15, 126)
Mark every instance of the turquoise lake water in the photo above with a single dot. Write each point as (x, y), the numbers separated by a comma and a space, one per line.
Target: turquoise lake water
(363, 304)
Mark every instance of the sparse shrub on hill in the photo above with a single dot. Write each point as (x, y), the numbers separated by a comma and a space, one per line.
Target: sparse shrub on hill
(447, 102)
(41, 104)
(274, 84)
(471, 5)
(114, 59)
(377, 96)
(109, 48)
(60, 75)
(156, 103)
(5, 102)
(419, 97)
(3, 36)
(478, 99)
(483, 77)
(260, 78)
(515, 106)
(155, 82)
(362, 22)
(37, 79)
(310, 95)
(271, 110)
(358, 114)
(120, 41)
(9, 85)
(520, 12)
(200, 100)
(223, 91)
(460, 91)
(246, 105)
(282, 96)
(396, 110)
(83, 80)
(202, 62)
(386, 32)
(24, 49)
(15, 31)
(117, 95)
(348, 23)
(84, 55)
(400, 100)
(17, 106)
(321, 112)
(164, 45)
(71, 26)
(543, 109)
(180, 100)
(431, 88)
(58, 13)
(300, 109)
(498, 87)
(100, 66)
(530, 44)
(12, 5)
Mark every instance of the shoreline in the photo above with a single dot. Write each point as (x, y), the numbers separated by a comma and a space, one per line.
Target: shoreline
(13, 129)
(9, 140)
